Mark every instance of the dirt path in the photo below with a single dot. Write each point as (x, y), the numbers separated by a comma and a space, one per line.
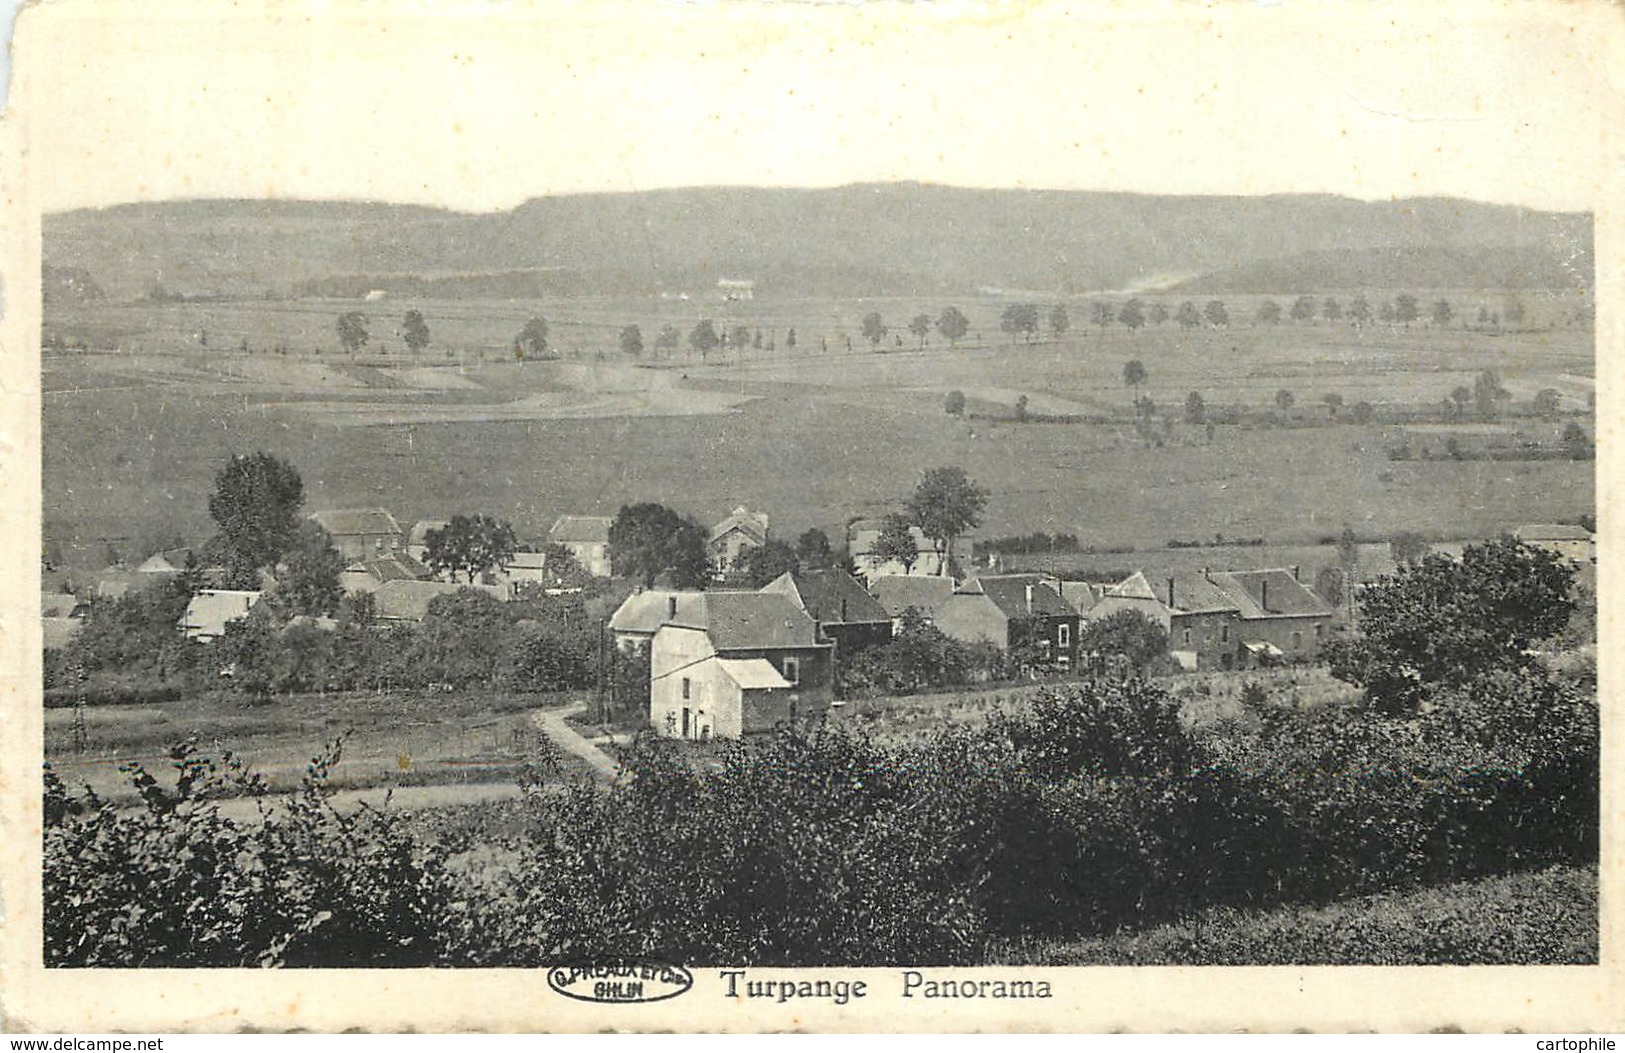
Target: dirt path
(572, 741)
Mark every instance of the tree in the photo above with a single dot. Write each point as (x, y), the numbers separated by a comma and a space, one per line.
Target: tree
(1159, 313)
(920, 326)
(1269, 312)
(954, 403)
(1442, 313)
(532, 339)
(1331, 310)
(790, 339)
(1330, 586)
(1460, 396)
(1577, 443)
(631, 341)
(1059, 321)
(255, 503)
(308, 580)
(1020, 319)
(762, 563)
(1385, 312)
(472, 545)
(703, 338)
(647, 540)
(1488, 394)
(1548, 403)
(1406, 310)
(1514, 312)
(953, 325)
(414, 331)
(352, 330)
(1128, 634)
(739, 337)
(1303, 309)
(1132, 315)
(1334, 403)
(813, 549)
(1360, 311)
(896, 542)
(1021, 407)
(1188, 316)
(1284, 400)
(873, 328)
(1443, 622)
(669, 338)
(1362, 412)
(1195, 408)
(1101, 313)
(1134, 376)
(1407, 548)
(944, 505)
(1215, 314)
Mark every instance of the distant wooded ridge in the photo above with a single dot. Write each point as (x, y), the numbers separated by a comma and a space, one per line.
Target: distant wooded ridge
(902, 239)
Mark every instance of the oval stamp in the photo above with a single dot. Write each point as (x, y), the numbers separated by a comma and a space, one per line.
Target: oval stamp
(620, 980)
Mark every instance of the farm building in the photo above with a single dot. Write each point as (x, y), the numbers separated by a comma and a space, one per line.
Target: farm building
(640, 615)
(734, 663)
(361, 533)
(408, 601)
(861, 535)
(898, 593)
(1560, 539)
(587, 538)
(730, 539)
(1013, 611)
(368, 575)
(210, 610)
(847, 616)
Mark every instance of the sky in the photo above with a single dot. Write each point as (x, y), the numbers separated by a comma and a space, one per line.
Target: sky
(478, 106)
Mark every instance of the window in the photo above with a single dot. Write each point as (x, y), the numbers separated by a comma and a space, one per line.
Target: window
(685, 687)
(1297, 641)
(1319, 630)
(792, 670)
(1187, 637)
(1224, 634)
(1063, 635)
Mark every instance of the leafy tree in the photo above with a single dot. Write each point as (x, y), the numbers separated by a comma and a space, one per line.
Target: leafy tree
(1385, 312)
(1488, 394)
(954, 403)
(953, 325)
(1577, 443)
(1514, 312)
(1101, 313)
(762, 563)
(739, 337)
(1134, 376)
(308, 581)
(1215, 314)
(631, 341)
(1331, 310)
(873, 328)
(1460, 396)
(790, 339)
(1407, 548)
(1334, 403)
(561, 569)
(1331, 586)
(647, 540)
(920, 326)
(1129, 634)
(944, 505)
(352, 330)
(414, 331)
(1548, 403)
(1021, 407)
(703, 338)
(1020, 319)
(1362, 412)
(1059, 321)
(1159, 313)
(1132, 315)
(471, 545)
(1303, 309)
(255, 503)
(1269, 312)
(1284, 400)
(1442, 313)
(1406, 310)
(532, 339)
(1188, 316)
(813, 549)
(669, 338)
(1360, 311)
(1443, 622)
(896, 542)
(1195, 408)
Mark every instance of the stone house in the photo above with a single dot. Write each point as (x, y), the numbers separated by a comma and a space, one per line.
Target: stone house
(847, 616)
(1013, 612)
(361, 533)
(587, 539)
(730, 539)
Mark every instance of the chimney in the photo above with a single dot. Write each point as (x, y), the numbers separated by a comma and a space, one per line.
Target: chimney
(1264, 593)
(671, 608)
(1170, 590)
(1297, 574)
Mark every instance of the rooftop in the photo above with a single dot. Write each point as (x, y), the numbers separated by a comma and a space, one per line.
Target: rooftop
(924, 592)
(1552, 532)
(343, 522)
(737, 621)
(581, 529)
(830, 596)
(1009, 592)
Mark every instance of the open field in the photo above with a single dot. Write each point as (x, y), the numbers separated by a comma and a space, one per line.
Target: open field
(813, 437)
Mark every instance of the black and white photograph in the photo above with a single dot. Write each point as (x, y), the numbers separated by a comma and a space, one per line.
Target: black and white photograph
(777, 516)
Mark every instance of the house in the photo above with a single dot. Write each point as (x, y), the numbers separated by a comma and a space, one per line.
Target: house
(211, 610)
(1013, 612)
(522, 568)
(897, 593)
(735, 663)
(61, 615)
(847, 616)
(1560, 539)
(369, 575)
(417, 540)
(361, 533)
(587, 538)
(730, 539)
(408, 601)
(1279, 616)
(861, 535)
(640, 615)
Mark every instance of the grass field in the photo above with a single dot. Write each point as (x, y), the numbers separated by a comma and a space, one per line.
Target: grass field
(132, 439)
